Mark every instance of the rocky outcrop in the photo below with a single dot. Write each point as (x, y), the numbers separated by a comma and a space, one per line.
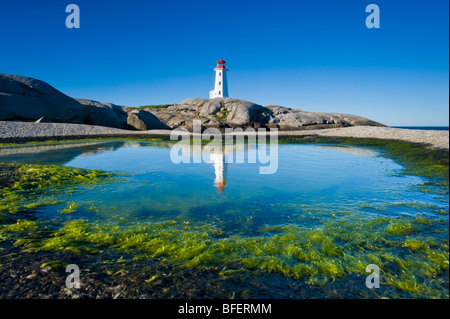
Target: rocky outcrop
(27, 99)
(23, 98)
(244, 113)
(211, 107)
(291, 119)
(229, 112)
(144, 120)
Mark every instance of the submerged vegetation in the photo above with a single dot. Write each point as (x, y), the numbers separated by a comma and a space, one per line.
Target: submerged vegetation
(33, 185)
(336, 249)
(411, 250)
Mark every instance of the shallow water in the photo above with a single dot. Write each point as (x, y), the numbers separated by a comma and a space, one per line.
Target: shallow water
(314, 179)
(314, 184)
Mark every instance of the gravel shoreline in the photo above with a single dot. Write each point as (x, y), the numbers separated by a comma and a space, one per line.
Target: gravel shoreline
(11, 132)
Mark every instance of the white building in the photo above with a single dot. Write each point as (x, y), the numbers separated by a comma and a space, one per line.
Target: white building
(221, 83)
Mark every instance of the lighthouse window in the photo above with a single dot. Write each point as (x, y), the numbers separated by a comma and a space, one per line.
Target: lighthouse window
(220, 73)
(219, 92)
(220, 83)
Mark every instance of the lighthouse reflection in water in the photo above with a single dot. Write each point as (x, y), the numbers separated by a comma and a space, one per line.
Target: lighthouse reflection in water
(217, 155)
(220, 169)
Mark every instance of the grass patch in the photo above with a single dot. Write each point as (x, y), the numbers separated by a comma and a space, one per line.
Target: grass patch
(158, 106)
(223, 114)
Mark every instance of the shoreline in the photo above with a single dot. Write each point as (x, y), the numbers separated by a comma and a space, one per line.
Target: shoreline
(20, 132)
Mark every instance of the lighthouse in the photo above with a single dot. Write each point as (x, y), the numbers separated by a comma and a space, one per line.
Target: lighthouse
(221, 84)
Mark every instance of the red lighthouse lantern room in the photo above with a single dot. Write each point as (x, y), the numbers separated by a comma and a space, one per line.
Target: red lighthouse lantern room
(221, 64)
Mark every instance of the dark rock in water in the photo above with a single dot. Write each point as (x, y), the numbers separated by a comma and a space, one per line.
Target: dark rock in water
(144, 120)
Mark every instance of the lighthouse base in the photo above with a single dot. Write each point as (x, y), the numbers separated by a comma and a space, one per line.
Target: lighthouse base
(213, 94)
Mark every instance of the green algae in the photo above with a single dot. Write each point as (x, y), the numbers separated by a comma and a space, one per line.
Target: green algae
(71, 208)
(400, 227)
(414, 244)
(42, 204)
(317, 256)
(152, 279)
(38, 185)
(223, 114)
(55, 265)
(20, 226)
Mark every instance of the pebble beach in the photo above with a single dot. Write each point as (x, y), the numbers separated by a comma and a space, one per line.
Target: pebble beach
(11, 132)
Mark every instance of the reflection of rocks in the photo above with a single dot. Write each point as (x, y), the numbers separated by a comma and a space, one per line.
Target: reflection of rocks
(43, 148)
(228, 150)
(56, 154)
(351, 150)
(131, 144)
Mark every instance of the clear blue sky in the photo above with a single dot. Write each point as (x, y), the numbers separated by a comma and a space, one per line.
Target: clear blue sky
(313, 55)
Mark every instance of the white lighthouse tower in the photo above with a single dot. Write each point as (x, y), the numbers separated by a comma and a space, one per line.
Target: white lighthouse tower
(221, 83)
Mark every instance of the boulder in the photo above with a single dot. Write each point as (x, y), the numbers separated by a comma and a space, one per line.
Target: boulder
(243, 112)
(144, 120)
(198, 102)
(211, 107)
(104, 114)
(354, 120)
(24, 98)
(293, 119)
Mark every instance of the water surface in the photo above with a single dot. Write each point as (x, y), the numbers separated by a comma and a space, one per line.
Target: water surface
(314, 185)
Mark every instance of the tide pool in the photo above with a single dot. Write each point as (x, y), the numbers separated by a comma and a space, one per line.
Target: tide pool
(328, 212)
